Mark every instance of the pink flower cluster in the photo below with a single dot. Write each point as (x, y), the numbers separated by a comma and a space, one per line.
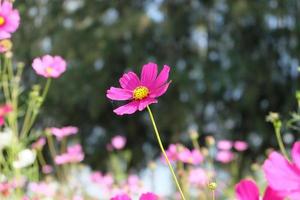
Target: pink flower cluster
(224, 154)
(74, 154)
(178, 152)
(4, 110)
(118, 142)
(144, 196)
(61, 133)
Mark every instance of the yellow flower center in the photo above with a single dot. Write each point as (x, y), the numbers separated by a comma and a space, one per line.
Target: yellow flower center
(49, 70)
(2, 20)
(140, 93)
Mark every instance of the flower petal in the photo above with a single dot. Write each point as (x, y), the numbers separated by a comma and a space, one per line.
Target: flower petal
(159, 91)
(128, 108)
(281, 175)
(246, 190)
(163, 76)
(118, 94)
(270, 194)
(145, 102)
(149, 73)
(129, 81)
(296, 154)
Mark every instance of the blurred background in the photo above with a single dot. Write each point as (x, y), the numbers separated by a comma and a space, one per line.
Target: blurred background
(232, 63)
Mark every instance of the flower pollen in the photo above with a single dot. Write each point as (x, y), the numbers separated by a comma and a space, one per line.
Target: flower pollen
(140, 93)
(2, 20)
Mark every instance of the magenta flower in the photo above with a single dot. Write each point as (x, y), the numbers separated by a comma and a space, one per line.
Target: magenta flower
(193, 157)
(284, 176)
(198, 177)
(63, 132)
(148, 196)
(224, 156)
(140, 92)
(9, 19)
(172, 152)
(39, 144)
(47, 169)
(248, 190)
(224, 144)
(4, 110)
(74, 154)
(121, 197)
(49, 66)
(118, 142)
(240, 145)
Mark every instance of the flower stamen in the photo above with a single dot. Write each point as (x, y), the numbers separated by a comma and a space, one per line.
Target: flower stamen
(2, 21)
(140, 93)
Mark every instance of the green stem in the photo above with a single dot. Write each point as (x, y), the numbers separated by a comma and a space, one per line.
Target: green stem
(164, 153)
(277, 127)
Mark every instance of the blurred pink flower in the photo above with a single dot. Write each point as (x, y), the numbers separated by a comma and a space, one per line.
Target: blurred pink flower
(96, 177)
(224, 156)
(172, 152)
(9, 19)
(4, 110)
(63, 132)
(190, 157)
(284, 176)
(224, 144)
(148, 196)
(118, 142)
(39, 144)
(42, 189)
(241, 145)
(47, 169)
(121, 197)
(49, 66)
(140, 93)
(74, 154)
(198, 177)
(248, 190)
(5, 188)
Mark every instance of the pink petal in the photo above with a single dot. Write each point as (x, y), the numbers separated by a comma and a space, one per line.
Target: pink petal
(159, 91)
(145, 102)
(149, 73)
(280, 174)
(118, 94)
(129, 81)
(148, 196)
(270, 194)
(246, 190)
(296, 154)
(163, 76)
(1, 121)
(128, 108)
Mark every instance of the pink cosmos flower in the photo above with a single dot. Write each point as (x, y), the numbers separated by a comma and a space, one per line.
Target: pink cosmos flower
(240, 145)
(198, 177)
(4, 110)
(47, 169)
(140, 92)
(224, 156)
(39, 144)
(224, 144)
(96, 177)
(190, 157)
(63, 132)
(5, 188)
(248, 190)
(118, 142)
(42, 188)
(121, 197)
(148, 196)
(284, 176)
(49, 66)
(74, 154)
(9, 19)
(172, 152)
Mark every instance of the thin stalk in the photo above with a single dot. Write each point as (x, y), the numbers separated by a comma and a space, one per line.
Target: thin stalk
(277, 127)
(164, 153)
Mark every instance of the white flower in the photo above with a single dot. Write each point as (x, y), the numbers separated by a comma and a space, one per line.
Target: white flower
(26, 157)
(6, 138)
